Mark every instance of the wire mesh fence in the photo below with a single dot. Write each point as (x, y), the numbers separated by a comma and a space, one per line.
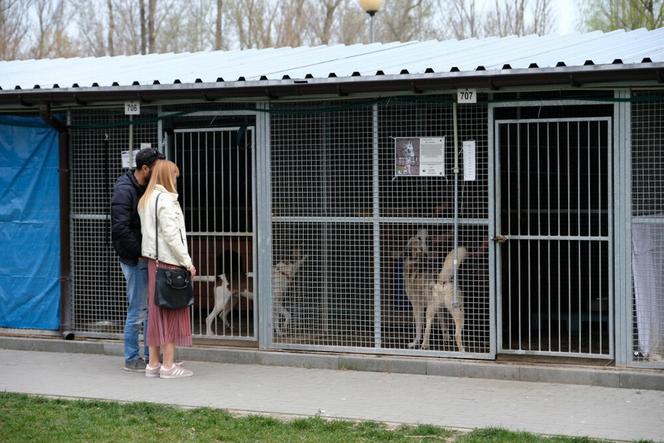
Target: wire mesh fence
(648, 228)
(345, 215)
(99, 302)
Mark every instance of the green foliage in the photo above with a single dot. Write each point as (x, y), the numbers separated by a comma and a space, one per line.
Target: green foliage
(609, 15)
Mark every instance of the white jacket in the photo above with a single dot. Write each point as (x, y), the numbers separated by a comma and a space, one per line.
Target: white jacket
(172, 233)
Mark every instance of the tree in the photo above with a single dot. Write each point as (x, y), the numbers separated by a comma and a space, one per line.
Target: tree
(507, 17)
(13, 29)
(218, 25)
(609, 15)
(405, 20)
(51, 37)
(462, 19)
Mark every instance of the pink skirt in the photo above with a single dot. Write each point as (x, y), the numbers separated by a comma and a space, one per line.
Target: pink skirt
(166, 325)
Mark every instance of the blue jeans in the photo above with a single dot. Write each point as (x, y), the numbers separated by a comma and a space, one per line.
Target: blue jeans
(137, 309)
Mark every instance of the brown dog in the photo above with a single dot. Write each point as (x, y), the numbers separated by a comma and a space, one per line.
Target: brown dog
(428, 292)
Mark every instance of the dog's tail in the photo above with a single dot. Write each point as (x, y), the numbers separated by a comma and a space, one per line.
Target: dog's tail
(447, 272)
(222, 280)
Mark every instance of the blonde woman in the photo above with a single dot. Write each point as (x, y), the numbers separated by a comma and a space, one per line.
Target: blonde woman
(167, 328)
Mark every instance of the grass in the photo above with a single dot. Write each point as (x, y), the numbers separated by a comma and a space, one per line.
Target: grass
(35, 419)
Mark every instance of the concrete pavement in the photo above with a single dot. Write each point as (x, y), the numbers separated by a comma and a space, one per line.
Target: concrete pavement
(547, 408)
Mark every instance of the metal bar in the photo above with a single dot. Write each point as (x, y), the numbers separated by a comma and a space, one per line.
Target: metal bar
(578, 222)
(493, 202)
(91, 216)
(264, 230)
(565, 354)
(214, 222)
(455, 302)
(376, 228)
(518, 218)
(554, 120)
(626, 121)
(539, 248)
(509, 231)
(383, 351)
(529, 287)
(548, 217)
(569, 247)
(557, 237)
(540, 103)
(590, 263)
(254, 242)
(559, 232)
(198, 130)
(200, 221)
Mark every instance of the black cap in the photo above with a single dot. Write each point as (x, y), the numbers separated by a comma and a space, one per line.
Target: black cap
(147, 156)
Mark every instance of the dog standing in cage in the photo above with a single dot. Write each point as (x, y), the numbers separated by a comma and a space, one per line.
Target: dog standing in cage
(224, 300)
(428, 291)
(283, 276)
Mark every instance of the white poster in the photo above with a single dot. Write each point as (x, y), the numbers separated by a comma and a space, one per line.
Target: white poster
(419, 156)
(469, 162)
(125, 159)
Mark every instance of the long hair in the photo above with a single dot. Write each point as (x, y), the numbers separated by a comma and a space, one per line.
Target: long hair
(162, 174)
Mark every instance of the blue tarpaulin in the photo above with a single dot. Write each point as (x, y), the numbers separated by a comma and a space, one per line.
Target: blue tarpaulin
(29, 224)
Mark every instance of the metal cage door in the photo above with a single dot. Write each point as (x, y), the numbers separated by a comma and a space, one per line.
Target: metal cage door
(553, 229)
(217, 189)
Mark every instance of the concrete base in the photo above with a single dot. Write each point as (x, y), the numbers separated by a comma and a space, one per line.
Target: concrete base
(612, 377)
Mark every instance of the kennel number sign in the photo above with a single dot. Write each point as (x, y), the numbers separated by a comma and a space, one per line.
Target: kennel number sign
(466, 95)
(132, 108)
(419, 156)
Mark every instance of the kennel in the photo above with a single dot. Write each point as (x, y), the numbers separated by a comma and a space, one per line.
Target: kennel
(551, 181)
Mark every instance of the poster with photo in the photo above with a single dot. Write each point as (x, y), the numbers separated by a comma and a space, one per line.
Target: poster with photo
(419, 156)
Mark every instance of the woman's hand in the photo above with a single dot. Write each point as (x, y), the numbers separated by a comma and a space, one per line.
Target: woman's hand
(192, 270)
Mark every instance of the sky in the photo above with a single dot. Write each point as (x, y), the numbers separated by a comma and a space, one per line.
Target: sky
(566, 15)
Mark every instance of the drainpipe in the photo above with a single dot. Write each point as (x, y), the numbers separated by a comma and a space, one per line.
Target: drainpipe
(65, 205)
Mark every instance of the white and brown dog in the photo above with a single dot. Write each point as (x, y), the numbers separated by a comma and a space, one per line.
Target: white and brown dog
(428, 292)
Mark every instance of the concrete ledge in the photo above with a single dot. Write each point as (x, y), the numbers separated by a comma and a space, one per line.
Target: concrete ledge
(582, 375)
(383, 364)
(469, 369)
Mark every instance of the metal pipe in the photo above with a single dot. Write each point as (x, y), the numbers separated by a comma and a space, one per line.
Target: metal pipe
(455, 301)
(65, 210)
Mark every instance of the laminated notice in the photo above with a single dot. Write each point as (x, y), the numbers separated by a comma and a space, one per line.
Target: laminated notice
(469, 161)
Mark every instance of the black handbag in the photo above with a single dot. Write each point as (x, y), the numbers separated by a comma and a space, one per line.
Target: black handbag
(173, 288)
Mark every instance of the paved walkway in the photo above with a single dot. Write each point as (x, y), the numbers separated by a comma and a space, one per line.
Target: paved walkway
(548, 408)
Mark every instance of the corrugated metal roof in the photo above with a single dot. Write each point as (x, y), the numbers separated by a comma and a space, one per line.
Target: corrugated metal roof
(491, 54)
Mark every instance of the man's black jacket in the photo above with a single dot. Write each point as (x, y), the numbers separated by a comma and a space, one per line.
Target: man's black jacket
(125, 223)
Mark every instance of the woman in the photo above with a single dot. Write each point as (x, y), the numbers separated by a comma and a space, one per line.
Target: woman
(167, 328)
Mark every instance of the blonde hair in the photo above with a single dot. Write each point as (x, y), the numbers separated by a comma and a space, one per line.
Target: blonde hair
(162, 174)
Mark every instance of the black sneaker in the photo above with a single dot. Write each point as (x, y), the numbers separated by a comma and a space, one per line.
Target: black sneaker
(137, 365)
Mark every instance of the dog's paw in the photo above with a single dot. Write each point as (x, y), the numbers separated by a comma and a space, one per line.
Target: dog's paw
(425, 345)
(412, 345)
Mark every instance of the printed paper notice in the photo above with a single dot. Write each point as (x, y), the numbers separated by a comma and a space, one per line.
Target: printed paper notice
(419, 156)
(125, 159)
(469, 165)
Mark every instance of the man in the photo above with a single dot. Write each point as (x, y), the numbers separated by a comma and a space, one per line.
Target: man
(126, 235)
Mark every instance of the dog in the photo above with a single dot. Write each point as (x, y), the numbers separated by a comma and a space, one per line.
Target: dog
(283, 276)
(224, 300)
(428, 291)
(223, 303)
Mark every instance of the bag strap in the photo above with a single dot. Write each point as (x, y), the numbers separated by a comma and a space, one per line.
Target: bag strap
(156, 224)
